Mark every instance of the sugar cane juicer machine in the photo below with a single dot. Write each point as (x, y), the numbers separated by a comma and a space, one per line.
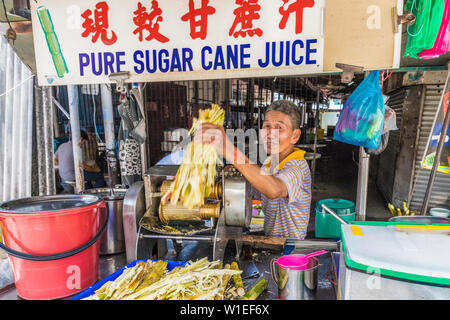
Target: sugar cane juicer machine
(223, 216)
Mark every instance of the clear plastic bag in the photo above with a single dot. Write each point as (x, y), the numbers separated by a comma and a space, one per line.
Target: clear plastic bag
(390, 120)
(383, 144)
(361, 120)
(390, 123)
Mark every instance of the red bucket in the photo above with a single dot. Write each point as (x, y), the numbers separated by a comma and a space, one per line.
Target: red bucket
(52, 243)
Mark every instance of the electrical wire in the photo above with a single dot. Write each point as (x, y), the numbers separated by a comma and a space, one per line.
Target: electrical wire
(16, 86)
(407, 27)
(95, 116)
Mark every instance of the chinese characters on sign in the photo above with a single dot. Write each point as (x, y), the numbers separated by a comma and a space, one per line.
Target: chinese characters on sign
(99, 26)
(245, 14)
(149, 22)
(296, 7)
(197, 17)
(199, 27)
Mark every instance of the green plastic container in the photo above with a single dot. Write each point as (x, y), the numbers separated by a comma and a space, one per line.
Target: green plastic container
(340, 206)
(326, 226)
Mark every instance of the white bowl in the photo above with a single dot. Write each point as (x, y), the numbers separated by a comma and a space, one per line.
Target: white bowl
(440, 212)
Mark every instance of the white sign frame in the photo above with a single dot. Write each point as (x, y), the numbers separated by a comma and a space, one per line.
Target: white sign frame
(232, 57)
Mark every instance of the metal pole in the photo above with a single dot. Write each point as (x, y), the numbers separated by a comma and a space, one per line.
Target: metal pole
(55, 121)
(47, 124)
(363, 181)
(334, 214)
(72, 94)
(60, 107)
(188, 238)
(110, 141)
(229, 121)
(439, 149)
(316, 122)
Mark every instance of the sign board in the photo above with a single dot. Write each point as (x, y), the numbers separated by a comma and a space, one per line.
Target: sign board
(84, 41)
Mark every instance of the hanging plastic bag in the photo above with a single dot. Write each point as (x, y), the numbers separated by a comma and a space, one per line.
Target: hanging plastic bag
(442, 43)
(423, 33)
(361, 120)
(390, 120)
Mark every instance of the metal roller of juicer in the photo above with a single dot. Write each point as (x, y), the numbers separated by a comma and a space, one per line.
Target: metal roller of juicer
(169, 212)
(210, 209)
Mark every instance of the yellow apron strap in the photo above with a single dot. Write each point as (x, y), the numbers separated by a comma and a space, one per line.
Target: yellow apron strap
(297, 154)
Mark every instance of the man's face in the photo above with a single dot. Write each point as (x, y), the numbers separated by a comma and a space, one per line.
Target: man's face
(277, 132)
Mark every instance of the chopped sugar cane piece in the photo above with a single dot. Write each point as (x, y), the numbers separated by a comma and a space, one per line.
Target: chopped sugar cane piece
(405, 209)
(226, 279)
(392, 209)
(256, 290)
(238, 280)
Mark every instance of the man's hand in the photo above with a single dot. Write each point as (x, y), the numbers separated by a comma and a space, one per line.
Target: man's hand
(214, 135)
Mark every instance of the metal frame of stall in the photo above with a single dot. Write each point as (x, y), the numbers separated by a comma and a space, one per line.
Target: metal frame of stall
(439, 148)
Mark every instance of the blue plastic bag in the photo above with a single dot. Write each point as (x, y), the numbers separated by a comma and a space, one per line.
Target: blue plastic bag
(361, 120)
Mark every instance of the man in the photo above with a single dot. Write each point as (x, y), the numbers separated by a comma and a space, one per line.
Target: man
(284, 185)
(64, 160)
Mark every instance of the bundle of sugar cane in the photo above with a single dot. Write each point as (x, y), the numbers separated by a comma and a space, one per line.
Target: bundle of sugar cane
(131, 280)
(196, 175)
(200, 280)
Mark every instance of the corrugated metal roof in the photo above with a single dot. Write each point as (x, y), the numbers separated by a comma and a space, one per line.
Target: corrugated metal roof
(16, 123)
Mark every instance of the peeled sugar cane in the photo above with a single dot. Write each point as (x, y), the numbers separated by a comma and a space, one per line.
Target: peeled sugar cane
(196, 175)
(199, 280)
(237, 278)
(131, 280)
(256, 290)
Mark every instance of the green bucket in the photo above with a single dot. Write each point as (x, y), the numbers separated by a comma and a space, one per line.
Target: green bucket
(327, 226)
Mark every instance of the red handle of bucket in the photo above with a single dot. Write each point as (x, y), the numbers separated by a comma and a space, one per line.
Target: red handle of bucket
(57, 256)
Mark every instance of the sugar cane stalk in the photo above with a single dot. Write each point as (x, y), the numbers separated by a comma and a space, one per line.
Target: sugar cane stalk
(237, 278)
(256, 290)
